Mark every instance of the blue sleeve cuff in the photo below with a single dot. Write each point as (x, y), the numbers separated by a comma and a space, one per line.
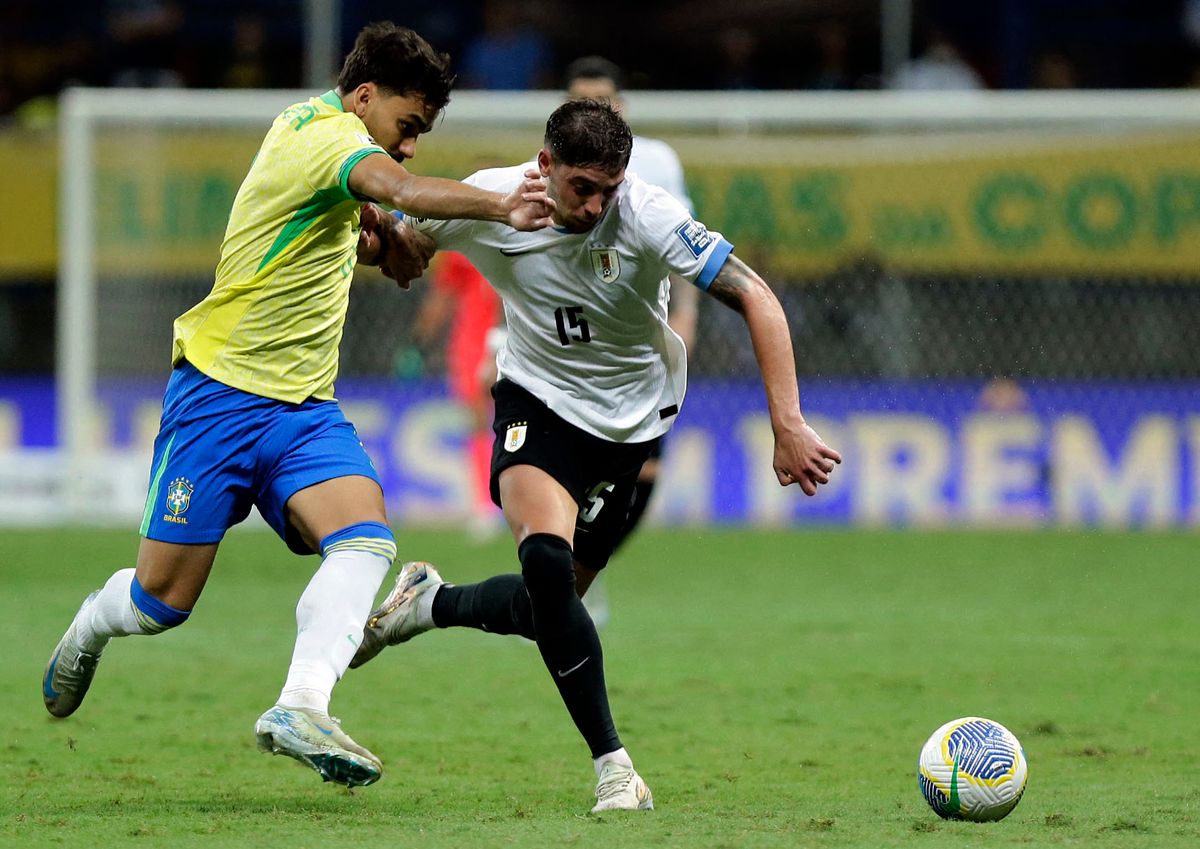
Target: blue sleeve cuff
(713, 264)
(398, 214)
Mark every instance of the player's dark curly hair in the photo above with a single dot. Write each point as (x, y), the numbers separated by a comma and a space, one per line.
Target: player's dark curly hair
(594, 68)
(398, 60)
(589, 134)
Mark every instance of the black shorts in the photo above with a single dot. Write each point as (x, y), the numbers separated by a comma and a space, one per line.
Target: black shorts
(600, 475)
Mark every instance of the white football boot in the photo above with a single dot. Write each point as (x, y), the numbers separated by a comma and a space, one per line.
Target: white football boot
(406, 612)
(317, 739)
(620, 788)
(70, 670)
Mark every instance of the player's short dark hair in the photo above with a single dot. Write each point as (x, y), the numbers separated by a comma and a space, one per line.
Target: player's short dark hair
(397, 59)
(589, 133)
(593, 68)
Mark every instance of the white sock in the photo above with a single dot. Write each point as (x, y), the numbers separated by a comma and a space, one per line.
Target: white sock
(619, 756)
(110, 614)
(329, 622)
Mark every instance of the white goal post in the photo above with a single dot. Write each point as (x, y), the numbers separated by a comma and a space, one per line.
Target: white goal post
(720, 118)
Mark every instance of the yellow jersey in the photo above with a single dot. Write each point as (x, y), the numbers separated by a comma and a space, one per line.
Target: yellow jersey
(273, 321)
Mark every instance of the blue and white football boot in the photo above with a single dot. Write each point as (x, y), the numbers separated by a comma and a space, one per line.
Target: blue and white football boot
(70, 670)
(317, 739)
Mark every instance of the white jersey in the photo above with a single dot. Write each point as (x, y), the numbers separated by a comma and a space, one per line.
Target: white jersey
(657, 163)
(587, 312)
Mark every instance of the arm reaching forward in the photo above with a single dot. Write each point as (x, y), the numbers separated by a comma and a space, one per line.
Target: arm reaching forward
(801, 456)
(527, 207)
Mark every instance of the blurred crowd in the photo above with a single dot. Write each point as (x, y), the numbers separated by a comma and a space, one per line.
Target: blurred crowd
(699, 44)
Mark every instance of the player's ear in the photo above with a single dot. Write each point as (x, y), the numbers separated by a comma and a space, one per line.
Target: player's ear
(361, 96)
(544, 161)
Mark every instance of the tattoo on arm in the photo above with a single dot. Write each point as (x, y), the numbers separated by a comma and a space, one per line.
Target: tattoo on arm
(733, 283)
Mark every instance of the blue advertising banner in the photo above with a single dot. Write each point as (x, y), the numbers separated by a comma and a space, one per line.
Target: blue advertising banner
(919, 453)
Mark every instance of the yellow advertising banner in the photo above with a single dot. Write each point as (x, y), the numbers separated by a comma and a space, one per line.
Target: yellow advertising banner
(28, 203)
(1098, 205)
(1121, 205)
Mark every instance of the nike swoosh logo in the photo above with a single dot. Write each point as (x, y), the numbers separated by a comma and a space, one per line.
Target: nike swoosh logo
(562, 674)
(518, 251)
(47, 690)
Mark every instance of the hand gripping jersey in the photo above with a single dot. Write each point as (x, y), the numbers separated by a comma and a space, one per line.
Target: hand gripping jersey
(587, 312)
(272, 323)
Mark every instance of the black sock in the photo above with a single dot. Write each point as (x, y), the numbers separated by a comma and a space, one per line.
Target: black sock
(637, 508)
(567, 638)
(498, 605)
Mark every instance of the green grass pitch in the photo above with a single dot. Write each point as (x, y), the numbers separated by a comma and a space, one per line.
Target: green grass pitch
(774, 689)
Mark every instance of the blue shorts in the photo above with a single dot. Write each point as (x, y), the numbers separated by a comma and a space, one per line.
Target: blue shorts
(220, 450)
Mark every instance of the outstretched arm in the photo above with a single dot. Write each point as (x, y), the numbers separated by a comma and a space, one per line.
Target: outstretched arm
(801, 456)
(381, 179)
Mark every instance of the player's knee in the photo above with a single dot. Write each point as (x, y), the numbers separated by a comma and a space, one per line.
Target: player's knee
(548, 567)
(154, 615)
(370, 537)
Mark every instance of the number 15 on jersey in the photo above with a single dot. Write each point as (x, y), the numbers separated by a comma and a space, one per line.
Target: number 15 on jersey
(572, 326)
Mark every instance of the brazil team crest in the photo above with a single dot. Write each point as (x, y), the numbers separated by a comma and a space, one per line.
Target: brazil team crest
(179, 495)
(606, 264)
(514, 437)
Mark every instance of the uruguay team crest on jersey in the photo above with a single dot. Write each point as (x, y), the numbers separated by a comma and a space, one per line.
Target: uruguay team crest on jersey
(179, 495)
(606, 264)
(514, 437)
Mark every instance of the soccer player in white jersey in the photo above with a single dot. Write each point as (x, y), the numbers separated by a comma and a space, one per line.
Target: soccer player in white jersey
(591, 376)
(249, 415)
(656, 162)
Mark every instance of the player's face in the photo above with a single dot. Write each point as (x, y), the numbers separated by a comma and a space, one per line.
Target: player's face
(395, 121)
(581, 194)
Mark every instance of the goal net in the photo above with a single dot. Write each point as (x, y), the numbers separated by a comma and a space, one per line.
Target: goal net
(928, 248)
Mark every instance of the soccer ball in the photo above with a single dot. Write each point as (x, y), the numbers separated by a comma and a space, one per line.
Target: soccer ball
(972, 769)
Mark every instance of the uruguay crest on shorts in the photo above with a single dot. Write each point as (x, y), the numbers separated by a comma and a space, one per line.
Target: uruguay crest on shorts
(514, 437)
(606, 264)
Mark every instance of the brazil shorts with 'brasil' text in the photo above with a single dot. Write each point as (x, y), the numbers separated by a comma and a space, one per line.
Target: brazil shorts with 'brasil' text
(220, 450)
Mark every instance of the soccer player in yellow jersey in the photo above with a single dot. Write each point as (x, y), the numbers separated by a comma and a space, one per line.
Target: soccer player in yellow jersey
(249, 416)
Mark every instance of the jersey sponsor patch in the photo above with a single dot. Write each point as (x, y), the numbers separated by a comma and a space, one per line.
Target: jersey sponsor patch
(514, 436)
(606, 264)
(695, 236)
